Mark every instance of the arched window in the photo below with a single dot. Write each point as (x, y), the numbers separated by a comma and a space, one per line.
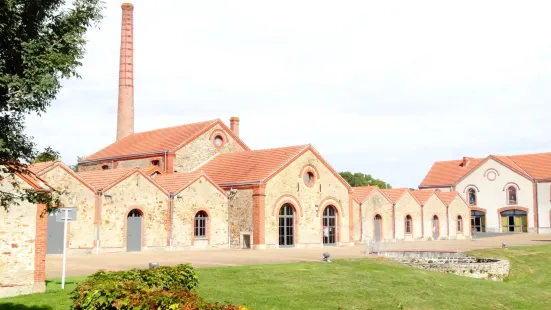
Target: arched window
(512, 195)
(459, 223)
(472, 196)
(408, 225)
(200, 227)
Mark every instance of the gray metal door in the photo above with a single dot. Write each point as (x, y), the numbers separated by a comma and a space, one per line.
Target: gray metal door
(54, 243)
(435, 228)
(378, 228)
(134, 231)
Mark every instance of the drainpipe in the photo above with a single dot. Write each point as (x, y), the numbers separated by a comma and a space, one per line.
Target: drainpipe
(232, 192)
(164, 166)
(98, 216)
(171, 202)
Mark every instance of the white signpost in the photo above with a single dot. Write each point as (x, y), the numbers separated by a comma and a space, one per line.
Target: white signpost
(65, 215)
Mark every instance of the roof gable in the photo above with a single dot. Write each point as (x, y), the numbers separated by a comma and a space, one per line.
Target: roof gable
(250, 166)
(152, 142)
(447, 173)
(101, 179)
(68, 171)
(37, 168)
(423, 196)
(361, 193)
(174, 183)
(448, 197)
(394, 194)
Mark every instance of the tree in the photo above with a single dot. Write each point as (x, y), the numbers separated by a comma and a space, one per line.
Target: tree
(360, 179)
(41, 43)
(48, 155)
(75, 166)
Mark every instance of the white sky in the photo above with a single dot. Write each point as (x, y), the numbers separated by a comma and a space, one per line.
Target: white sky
(380, 87)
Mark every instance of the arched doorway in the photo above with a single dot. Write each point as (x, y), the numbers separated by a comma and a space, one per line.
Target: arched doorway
(134, 231)
(478, 221)
(514, 221)
(378, 228)
(435, 227)
(286, 226)
(330, 226)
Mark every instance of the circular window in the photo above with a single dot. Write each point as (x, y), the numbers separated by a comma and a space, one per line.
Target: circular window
(218, 141)
(309, 178)
(491, 176)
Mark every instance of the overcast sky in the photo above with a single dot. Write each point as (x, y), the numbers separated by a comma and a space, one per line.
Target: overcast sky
(380, 87)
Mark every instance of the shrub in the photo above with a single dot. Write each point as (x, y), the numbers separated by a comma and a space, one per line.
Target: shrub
(165, 277)
(127, 295)
(103, 290)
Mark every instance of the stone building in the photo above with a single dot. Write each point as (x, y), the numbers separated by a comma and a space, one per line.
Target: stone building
(199, 186)
(23, 242)
(504, 193)
(410, 215)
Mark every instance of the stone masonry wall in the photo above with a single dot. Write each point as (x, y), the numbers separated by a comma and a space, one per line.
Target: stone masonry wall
(144, 163)
(357, 235)
(135, 192)
(201, 195)
(459, 207)
(241, 216)
(202, 148)
(461, 265)
(289, 186)
(435, 206)
(96, 165)
(407, 205)
(377, 204)
(81, 233)
(17, 245)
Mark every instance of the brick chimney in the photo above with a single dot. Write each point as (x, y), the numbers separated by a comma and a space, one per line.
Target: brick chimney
(234, 125)
(125, 117)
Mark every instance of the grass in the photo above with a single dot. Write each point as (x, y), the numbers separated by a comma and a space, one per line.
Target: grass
(356, 284)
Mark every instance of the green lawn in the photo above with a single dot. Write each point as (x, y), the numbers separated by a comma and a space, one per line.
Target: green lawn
(357, 284)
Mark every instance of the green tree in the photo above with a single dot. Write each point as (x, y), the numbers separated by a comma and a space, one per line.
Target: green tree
(47, 155)
(41, 43)
(75, 166)
(360, 179)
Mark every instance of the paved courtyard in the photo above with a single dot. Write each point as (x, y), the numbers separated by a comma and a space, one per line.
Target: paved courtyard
(86, 264)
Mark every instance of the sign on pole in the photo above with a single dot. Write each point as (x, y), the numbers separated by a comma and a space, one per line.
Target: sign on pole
(65, 214)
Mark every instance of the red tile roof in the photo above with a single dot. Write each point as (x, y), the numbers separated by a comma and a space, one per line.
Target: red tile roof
(153, 141)
(447, 173)
(174, 182)
(422, 196)
(38, 167)
(362, 192)
(536, 165)
(249, 166)
(100, 179)
(447, 197)
(394, 193)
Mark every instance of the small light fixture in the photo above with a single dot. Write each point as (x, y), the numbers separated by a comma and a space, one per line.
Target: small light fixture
(317, 210)
(108, 195)
(179, 197)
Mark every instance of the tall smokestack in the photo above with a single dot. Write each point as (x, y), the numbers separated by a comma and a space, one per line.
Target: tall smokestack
(234, 125)
(125, 118)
